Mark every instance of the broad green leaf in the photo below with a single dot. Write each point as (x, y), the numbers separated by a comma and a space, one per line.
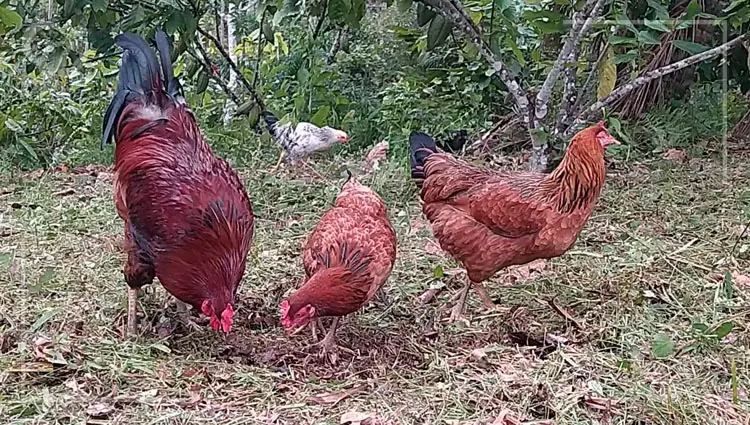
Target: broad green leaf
(607, 74)
(510, 40)
(44, 318)
(476, 16)
(626, 57)
(700, 327)
(723, 330)
(403, 5)
(13, 125)
(622, 19)
(438, 273)
(662, 346)
(659, 25)
(660, 12)
(281, 43)
(303, 75)
(689, 46)
(736, 4)
(693, 9)
(321, 116)
(437, 32)
(9, 19)
(338, 9)
(55, 60)
(727, 286)
(647, 37)
(619, 40)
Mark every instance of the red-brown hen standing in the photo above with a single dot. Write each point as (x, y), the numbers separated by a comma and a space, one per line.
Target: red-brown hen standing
(188, 220)
(347, 258)
(491, 220)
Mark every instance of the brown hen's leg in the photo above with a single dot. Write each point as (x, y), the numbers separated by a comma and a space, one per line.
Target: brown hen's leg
(329, 342)
(132, 311)
(486, 300)
(458, 309)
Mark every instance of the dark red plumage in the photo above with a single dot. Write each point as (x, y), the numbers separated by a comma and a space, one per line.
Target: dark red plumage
(188, 219)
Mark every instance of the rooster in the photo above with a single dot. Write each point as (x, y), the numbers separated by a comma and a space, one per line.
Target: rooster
(299, 143)
(347, 259)
(491, 220)
(188, 220)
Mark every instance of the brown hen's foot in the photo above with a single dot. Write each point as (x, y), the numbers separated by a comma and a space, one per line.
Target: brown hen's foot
(457, 312)
(328, 345)
(132, 312)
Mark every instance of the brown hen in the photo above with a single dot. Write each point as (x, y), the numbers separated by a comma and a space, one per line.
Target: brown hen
(490, 220)
(347, 258)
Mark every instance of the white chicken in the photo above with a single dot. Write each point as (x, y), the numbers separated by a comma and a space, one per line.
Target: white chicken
(301, 142)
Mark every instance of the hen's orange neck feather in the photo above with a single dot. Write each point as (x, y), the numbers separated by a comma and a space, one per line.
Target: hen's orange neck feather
(578, 180)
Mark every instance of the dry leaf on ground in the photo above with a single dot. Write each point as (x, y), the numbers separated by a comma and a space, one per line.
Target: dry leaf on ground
(356, 418)
(100, 410)
(331, 399)
(677, 155)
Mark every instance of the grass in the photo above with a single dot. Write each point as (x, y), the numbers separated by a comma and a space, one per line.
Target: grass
(655, 334)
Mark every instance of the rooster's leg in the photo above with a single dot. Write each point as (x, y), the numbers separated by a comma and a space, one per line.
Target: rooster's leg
(458, 309)
(132, 311)
(486, 300)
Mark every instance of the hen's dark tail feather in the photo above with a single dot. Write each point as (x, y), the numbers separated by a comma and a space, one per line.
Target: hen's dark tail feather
(420, 147)
(140, 75)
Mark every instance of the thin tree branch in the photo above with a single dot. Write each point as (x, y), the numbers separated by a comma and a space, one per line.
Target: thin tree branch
(206, 64)
(256, 73)
(582, 22)
(336, 46)
(234, 67)
(595, 109)
(570, 94)
(322, 19)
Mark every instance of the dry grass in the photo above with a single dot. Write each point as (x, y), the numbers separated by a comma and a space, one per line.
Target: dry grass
(648, 266)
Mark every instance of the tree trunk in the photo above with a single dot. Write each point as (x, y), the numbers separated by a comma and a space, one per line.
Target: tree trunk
(231, 47)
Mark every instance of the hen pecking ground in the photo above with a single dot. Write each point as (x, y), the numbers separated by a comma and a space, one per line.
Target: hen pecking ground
(644, 322)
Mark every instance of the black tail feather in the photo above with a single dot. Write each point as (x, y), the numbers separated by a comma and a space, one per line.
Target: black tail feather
(164, 47)
(270, 119)
(420, 147)
(140, 75)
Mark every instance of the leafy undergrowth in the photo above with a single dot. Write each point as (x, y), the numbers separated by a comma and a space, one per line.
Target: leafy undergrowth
(644, 322)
